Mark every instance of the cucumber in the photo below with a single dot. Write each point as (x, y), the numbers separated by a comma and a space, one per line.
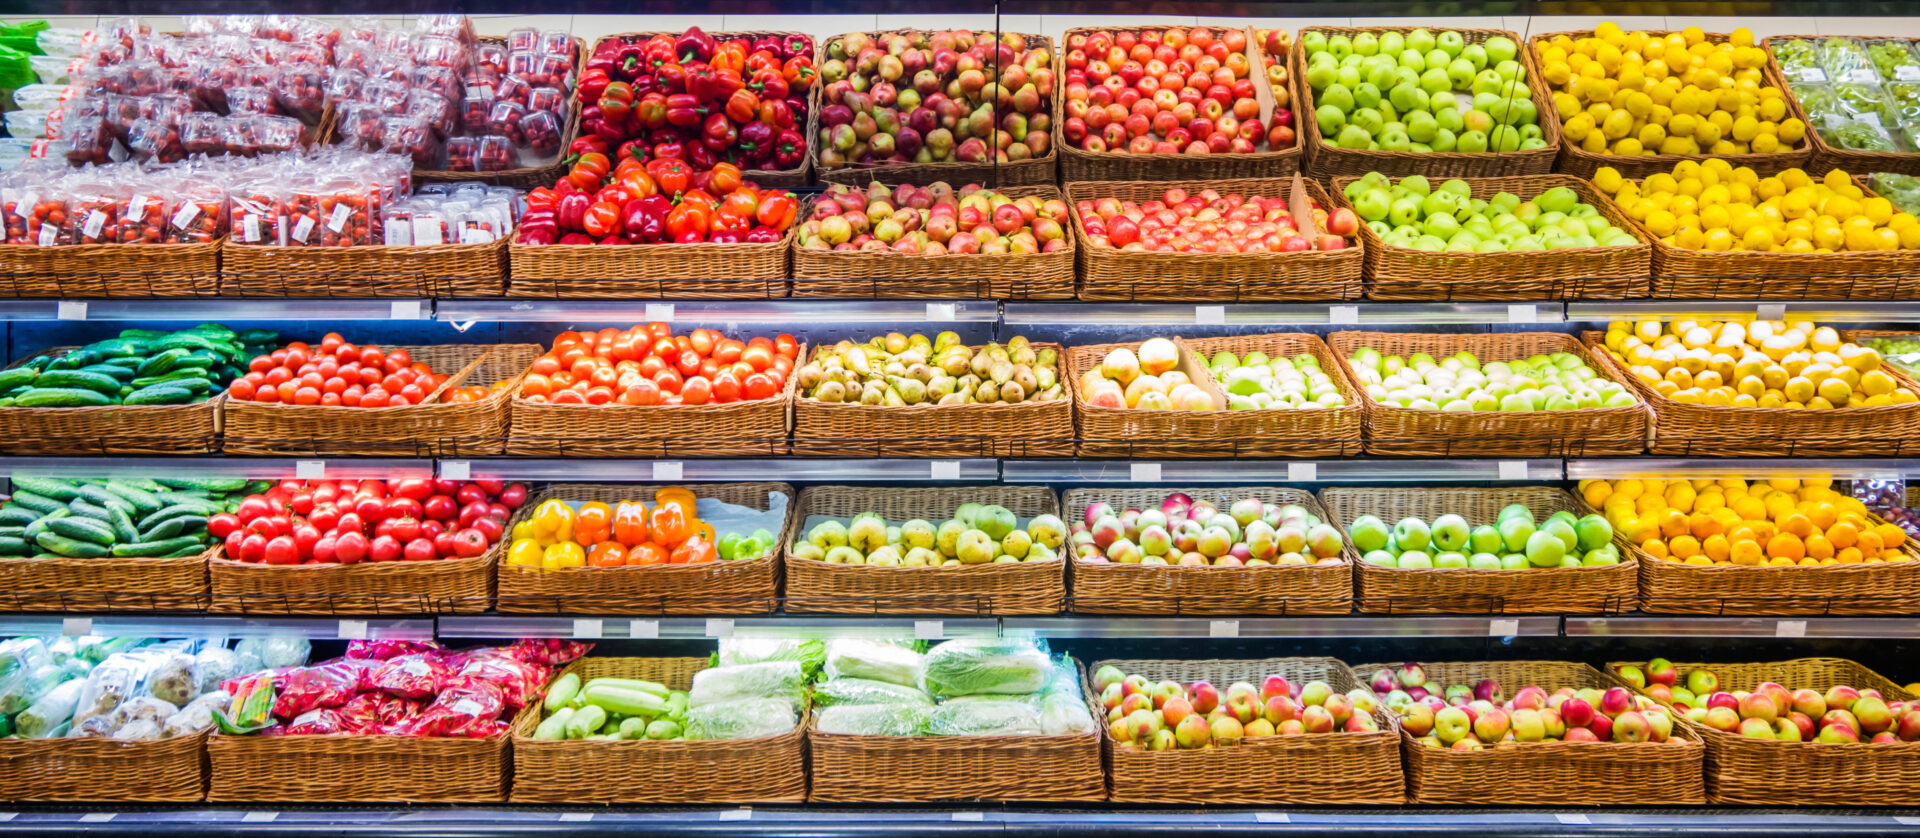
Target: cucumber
(123, 528)
(64, 397)
(60, 490)
(17, 516)
(36, 502)
(157, 547)
(173, 527)
(160, 363)
(142, 500)
(15, 546)
(199, 359)
(101, 497)
(181, 340)
(193, 549)
(186, 377)
(87, 509)
(554, 727)
(205, 484)
(116, 348)
(160, 394)
(119, 373)
(176, 507)
(562, 691)
(17, 376)
(83, 529)
(17, 532)
(40, 526)
(75, 378)
(174, 494)
(70, 547)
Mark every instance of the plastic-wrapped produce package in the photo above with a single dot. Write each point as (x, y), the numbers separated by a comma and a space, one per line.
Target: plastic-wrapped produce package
(738, 651)
(889, 662)
(218, 663)
(751, 718)
(771, 679)
(986, 667)
(1062, 714)
(984, 718)
(842, 691)
(276, 652)
(874, 719)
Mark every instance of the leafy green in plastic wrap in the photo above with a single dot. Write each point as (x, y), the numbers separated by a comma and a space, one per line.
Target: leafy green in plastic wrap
(750, 718)
(984, 718)
(986, 666)
(874, 719)
(874, 660)
(735, 651)
(771, 679)
(841, 691)
(1062, 714)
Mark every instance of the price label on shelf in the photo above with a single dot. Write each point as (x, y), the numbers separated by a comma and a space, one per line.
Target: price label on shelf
(310, 469)
(660, 311)
(588, 628)
(97, 817)
(946, 469)
(736, 814)
(1343, 315)
(1523, 313)
(352, 630)
(1210, 315)
(1771, 311)
(1513, 469)
(405, 310)
(259, 817)
(1790, 628)
(1223, 628)
(969, 816)
(72, 310)
(668, 470)
(1272, 817)
(1572, 819)
(929, 629)
(1145, 472)
(1303, 472)
(1906, 820)
(7, 816)
(941, 312)
(456, 470)
(719, 627)
(643, 629)
(575, 817)
(76, 626)
(1503, 628)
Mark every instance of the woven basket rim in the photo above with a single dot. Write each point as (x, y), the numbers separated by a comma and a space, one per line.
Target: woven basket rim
(1596, 345)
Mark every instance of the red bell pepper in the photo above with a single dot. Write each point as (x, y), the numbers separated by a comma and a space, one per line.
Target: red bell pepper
(768, 84)
(673, 176)
(571, 212)
(671, 78)
(587, 145)
(615, 101)
(701, 157)
(718, 132)
(645, 219)
(766, 43)
(685, 110)
(789, 149)
(726, 81)
(631, 150)
(743, 105)
(762, 235)
(688, 218)
(601, 218)
(797, 45)
(659, 51)
(725, 237)
(629, 62)
(590, 171)
(614, 238)
(761, 59)
(727, 221)
(652, 109)
(776, 210)
(577, 238)
(694, 45)
(539, 226)
(670, 150)
(756, 140)
(775, 112)
(703, 82)
(592, 84)
(730, 56)
(541, 198)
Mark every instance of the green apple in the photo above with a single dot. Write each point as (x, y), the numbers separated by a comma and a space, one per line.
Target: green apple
(1594, 532)
(1340, 46)
(1315, 42)
(1407, 97)
(1472, 142)
(1451, 120)
(1365, 44)
(1545, 550)
(1339, 96)
(1416, 560)
(1413, 60)
(1501, 48)
(1460, 73)
(1604, 555)
(1354, 136)
(1391, 43)
(1420, 39)
(1450, 560)
(1435, 81)
(1476, 55)
(1451, 42)
(1381, 558)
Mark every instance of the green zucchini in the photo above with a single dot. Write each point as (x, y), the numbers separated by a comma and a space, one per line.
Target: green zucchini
(83, 529)
(69, 547)
(60, 490)
(157, 547)
(36, 502)
(64, 397)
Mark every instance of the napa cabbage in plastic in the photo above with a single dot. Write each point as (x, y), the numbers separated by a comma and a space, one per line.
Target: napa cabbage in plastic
(50, 712)
(771, 679)
(276, 652)
(750, 718)
(839, 691)
(874, 660)
(1062, 714)
(217, 664)
(984, 718)
(736, 651)
(986, 666)
(874, 719)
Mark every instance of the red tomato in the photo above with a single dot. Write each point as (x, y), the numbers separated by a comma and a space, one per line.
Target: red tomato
(728, 351)
(306, 395)
(786, 345)
(281, 550)
(420, 550)
(697, 390)
(350, 547)
(374, 398)
(759, 357)
(241, 389)
(469, 543)
(384, 548)
(726, 388)
(260, 363)
(669, 381)
(440, 508)
(326, 550)
(703, 340)
(599, 395)
(371, 356)
(253, 548)
(759, 386)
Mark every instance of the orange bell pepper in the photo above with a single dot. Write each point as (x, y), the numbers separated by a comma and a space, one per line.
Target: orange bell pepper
(647, 553)
(695, 550)
(630, 523)
(593, 523)
(607, 554)
(672, 520)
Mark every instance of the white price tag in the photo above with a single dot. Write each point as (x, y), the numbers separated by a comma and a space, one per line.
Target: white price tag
(96, 222)
(946, 469)
(1906, 820)
(250, 229)
(660, 311)
(1303, 472)
(1523, 313)
(72, 310)
(1513, 469)
(643, 629)
(97, 817)
(1861, 75)
(1503, 628)
(1223, 628)
(352, 630)
(929, 629)
(337, 220)
(1813, 74)
(1272, 817)
(137, 208)
(49, 235)
(76, 626)
(575, 817)
(1343, 315)
(302, 228)
(736, 815)
(426, 230)
(1790, 628)
(940, 312)
(404, 310)
(456, 470)
(1906, 72)
(588, 628)
(259, 817)
(1770, 311)
(969, 816)
(1572, 820)
(719, 627)
(185, 215)
(479, 92)
(1210, 315)
(1145, 472)
(668, 469)
(309, 469)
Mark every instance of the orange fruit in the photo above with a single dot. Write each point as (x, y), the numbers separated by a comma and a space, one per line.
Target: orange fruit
(1703, 524)
(1818, 547)
(1797, 524)
(1717, 547)
(1786, 546)
(1848, 555)
(1891, 534)
(1746, 553)
(1843, 534)
(1655, 548)
(1673, 522)
(1870, 543)
(1685, 547)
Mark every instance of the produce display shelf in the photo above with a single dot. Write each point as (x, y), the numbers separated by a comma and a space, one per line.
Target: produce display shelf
(259, 468)
(814, 312)
(703, 628)
(1887, 628)
(1283, 314)
(1067, 627)
(719, 471)
(1841, 311)
(1290, 627)
(1348, 470)
(1834, 467)
(207, 626)
(197, 309)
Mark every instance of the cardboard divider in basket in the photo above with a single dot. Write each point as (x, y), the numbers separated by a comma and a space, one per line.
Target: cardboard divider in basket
(1575, 273)
(1111, 274)
(1826, 155)
(1036, 171)
(757, 428)
(749, 586)
(433, 428)
(769, 769)
(361, 768)
(440, 270)
(65, 769)
(1699, 430)
(1533, 590)
(1579, 162)
(986, 276)
(111, 429)
(1325, 587)
(441, 586)
(671, 271)
(110, 270)
(1744, 770)
(1414, 432)
(850, 768)
(1559, 773)
(816, 587)
(1326, 160)
(1030, 428)
(1119, 164)
(1349, 769)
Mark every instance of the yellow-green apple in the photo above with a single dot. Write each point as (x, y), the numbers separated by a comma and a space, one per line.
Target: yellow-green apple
(1279, 709)
(1417, 720)
(1661, 671)
(1162, 740)
(1758, 706)
(1469, 745)
(1580, 734)
(1135, 702)
(1701, 682)
(1290, 727)
(1884, 737)
(1682, 697)
(1412, 674)
(1659, 692)
(1362, 701)
(1837, 734)
(1458, 694)
(1726, 700)
(1873, 714)
(1722, 719)
(1193, 732)
(1243, 707)
(1631, 726)
(1633, 676)
(1110, 697)
(1204, 697)
(1804, 722)
(1698, 714)
(1785, 730)
(1143, 723)
(1176, 710)
(1756, 728)
(1840, 717)
(1527, 725)
(1451, 725)
(1167, 690)
(1841, 697)
(1316, 719)
(1315, 693)
(1430, 742)
(1121, 731)
(1106, 675)
(1339, 707)
(1259, 727)
(1492, 725)
(1615, 701)
(1909, 728)
(1660, 724)
(1227, 730)
(1556, 726)
(1779, 695)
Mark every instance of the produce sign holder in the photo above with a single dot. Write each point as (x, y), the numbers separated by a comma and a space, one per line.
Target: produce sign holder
(1699, 430)
(110, 429)
(1271, 590)
(775, 178)
(360, 769)
(1413, 432)
(440, 270)
(1748, 771)
(1326, 160)
(747, 586)
(1534, 590)
(743, 271)
(64, 769)
(1825, 156)
(1582, 163)
(434, 428)
(1077, 164)
(757, 428)
(1351, 769)
(769, 769)
(110, 270)
(1029, 428)
(851, 768)
(1036, 171)
(1558, 773)
(441, 586)
(1585, 273)
(1110, 274)
(815, 587)
(985, 276)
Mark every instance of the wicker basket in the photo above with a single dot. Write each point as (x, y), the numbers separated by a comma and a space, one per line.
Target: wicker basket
(1581, 163)
(710, 588)
(1325, 160)
(650, 271)
(1027, 429)
(111, 429)
(432, 429)
(443, 270)
(1278, 590)
(1079, 165)
(1764, 772)
(442, 586)
(1409, 432)
(1037, 171)
(359, 769)
(847, 768)
(736, 429)
(1534, 590)
(815, 587)
(1349, 769)
(110, 270)
(76, 770)
(1109, 274)
(1698, 430)
(1578, 273)
(1558, 773)
(1826, 156)
(105, 584)
(985, 276)
(769, 769)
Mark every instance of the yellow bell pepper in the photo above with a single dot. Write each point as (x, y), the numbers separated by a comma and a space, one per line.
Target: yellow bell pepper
(564, 554)
(553, 519)
(524, 531)
(526, 552)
